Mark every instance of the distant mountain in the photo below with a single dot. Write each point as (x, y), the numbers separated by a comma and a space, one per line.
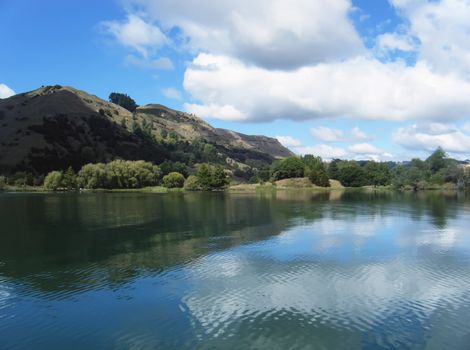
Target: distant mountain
(54, 127)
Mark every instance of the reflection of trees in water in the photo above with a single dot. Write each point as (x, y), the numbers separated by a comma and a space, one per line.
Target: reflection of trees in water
(76, 241)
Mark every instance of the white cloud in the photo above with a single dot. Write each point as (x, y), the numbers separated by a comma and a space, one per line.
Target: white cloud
(442, 28)
(358, 88)
(163, 63)
(325, 151)
(326, 134)
(274, 34)
(359, 135)
(137, 34)
(394, 41)
(365, 149)
(359, 151)
(289, 141)
(172, 93)
(5, 91)
(429, 137)
(224, 112)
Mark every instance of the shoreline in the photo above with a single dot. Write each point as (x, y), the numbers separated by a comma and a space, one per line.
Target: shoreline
(239, 188)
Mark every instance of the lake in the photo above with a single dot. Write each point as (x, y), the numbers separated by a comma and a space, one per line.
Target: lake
(281, 270)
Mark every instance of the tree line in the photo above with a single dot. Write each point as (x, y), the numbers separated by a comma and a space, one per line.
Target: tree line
(125, 174)
(434, 172)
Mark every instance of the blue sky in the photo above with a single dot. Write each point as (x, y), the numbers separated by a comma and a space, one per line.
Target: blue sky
(351, 79)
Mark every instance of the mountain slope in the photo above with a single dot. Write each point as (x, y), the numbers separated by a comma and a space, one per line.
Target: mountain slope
(54, 127)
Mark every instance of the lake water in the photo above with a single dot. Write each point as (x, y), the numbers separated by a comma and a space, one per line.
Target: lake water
(235, 271)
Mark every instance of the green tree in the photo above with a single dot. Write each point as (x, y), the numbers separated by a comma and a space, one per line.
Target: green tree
(351, 174)
(437, 160)
(53, 180)
(219, 178)
(3, 183)
(377, 174)
(333, 170)
(287, 168)
(173, 180)
(204, 176)
(123, 100)
(192, 183)
(69, 180)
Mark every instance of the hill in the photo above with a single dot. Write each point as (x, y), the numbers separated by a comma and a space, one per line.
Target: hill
(53, 127)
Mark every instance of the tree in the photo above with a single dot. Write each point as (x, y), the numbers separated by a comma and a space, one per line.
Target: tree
(437, 160)
(69, 179)
(53, 180)
(333, 170)
(219, 178)
(315, 170)
(173, 180)
(287, 168)
(351, 174)
(123, 100)
(377, 174)
(319, 177)
(204, 176)
(192, 183)
(3, 183)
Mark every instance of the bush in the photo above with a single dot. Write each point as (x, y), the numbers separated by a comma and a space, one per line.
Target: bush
(287, 168)
(123, 100)
(53, 180)
(319, 177)
(173, 180)
(210, 178)
(3, 183)
(192, 183)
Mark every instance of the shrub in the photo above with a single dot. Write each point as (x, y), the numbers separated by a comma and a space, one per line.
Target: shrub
(3, 183)
(173, 180)
(53, 180)
(192, 183)
(287, 168)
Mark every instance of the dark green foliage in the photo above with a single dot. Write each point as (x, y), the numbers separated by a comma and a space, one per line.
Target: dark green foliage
(437, 160)
(168, 166)
(3, 183)
(69, 180)
(211, 178)
(118, 174)
(173, 180)
(351, 174)
(315, 170)
(123, 100)
(287, 168)
(376, 174)
(333, 170)
(53, 180)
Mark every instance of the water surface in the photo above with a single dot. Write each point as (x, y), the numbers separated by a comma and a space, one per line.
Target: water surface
(228, 271)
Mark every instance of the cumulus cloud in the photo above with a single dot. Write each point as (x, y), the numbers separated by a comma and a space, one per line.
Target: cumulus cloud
(261, 60)
(429, 137)
(172, 93)
(442, 28)
(358, 88)
(137, 34)
(289, 141)
(273, 34)
(358, 151)
(326, 134)
(394, 41)
(5, 91)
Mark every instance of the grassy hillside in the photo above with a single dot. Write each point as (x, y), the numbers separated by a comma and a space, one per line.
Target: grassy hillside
(54, 127)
